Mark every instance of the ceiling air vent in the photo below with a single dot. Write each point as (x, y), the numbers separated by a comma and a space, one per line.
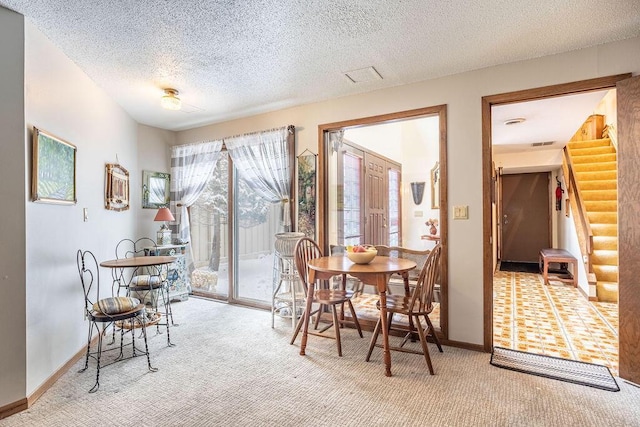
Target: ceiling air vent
(362, 75)
(542, 144)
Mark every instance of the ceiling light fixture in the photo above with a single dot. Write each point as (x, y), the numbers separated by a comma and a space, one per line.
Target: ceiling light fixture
(515, 121)
(170, 99)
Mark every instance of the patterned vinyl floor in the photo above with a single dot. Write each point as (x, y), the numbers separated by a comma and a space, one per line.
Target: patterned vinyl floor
(555, 320)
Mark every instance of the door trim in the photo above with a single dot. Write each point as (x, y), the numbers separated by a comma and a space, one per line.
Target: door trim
(323, 226)
(507, 98)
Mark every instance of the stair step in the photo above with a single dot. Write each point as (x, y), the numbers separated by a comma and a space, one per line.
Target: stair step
(602, 217)
(605, 229)
(604, 257)
(593, 206)
(606, 273)
(605, 242)
(607, 291)
(594, 158)
(593, 151)
(598, 195)
(609, 175)
(595, 167)
(602, 185)
(589, 143)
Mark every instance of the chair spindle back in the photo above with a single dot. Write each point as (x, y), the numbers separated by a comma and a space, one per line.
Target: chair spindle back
(306, 249)
(422, 298)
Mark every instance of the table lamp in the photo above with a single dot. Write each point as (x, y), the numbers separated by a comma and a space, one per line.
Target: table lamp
(164, 234)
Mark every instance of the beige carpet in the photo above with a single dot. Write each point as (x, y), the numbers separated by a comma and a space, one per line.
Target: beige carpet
(230, 368)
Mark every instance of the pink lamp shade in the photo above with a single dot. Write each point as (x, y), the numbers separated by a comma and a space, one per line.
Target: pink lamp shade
(164, 214)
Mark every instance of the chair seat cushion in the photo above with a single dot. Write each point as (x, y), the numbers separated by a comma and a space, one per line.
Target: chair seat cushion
(145, 280)
(115, 305)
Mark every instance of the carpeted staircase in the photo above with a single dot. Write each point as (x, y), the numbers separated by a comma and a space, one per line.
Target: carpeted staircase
(596, 167)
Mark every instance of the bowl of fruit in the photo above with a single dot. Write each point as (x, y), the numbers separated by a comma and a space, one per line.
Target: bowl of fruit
(361, 254)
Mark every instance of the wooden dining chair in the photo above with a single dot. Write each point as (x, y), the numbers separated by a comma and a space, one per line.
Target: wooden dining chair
(418, 304)
(104, 312)
(305, 250)
(415, 255)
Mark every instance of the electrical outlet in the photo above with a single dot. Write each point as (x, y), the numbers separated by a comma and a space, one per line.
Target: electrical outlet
(418, 213)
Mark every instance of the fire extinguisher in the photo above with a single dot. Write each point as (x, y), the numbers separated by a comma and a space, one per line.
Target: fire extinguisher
(559, 192)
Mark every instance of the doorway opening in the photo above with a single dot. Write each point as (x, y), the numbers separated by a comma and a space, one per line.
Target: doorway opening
(366, 170)
(522, 312)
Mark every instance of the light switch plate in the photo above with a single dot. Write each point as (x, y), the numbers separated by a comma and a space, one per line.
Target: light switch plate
(85, 214)
(461, 212)
(418, 213)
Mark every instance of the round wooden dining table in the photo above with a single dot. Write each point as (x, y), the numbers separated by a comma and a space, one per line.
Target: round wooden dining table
(376, 273)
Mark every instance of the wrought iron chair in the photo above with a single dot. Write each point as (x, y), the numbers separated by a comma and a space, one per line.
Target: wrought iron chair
(111, 311)
(305, 250)
(150, 284)
(419, 304)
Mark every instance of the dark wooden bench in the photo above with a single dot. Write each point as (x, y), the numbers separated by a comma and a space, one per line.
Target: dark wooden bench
(561, 256)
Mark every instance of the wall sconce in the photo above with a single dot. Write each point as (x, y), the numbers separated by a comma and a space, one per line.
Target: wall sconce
(417, 190)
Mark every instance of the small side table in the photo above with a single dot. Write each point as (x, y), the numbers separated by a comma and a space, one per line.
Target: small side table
(561, 256)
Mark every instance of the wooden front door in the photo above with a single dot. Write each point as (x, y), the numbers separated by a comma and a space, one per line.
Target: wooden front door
(525, 216)
(376, 200)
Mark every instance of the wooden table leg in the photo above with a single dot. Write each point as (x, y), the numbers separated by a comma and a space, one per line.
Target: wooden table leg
(382, 289)
(307, 313)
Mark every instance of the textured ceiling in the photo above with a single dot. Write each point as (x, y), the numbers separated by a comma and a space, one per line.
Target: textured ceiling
(237, 58)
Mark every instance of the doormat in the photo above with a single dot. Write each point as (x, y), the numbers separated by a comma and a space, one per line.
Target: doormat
(572, 371)
(520, 267)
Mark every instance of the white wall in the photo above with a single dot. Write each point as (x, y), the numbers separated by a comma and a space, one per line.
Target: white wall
(529, 161)
(62, 100)
(567, 237)
(154, 154)
(462, 93)
(13, 189)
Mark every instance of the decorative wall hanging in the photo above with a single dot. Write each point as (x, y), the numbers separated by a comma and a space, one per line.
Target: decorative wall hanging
(417, 191)
(116, 193)
(307, 194)
(54, 169)
(155, 189)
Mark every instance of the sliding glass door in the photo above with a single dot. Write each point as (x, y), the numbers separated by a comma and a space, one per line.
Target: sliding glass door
(256, 222)
(237, 269)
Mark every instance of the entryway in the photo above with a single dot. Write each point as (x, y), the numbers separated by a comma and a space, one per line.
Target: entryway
(551, 316)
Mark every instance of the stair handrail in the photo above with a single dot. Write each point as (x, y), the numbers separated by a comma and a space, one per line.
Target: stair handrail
(582, 211)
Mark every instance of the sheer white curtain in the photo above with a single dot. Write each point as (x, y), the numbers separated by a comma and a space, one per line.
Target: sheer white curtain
(191, 168)
(262, 162)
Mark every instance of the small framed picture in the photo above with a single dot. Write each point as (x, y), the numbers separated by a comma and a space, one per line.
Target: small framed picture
(116, 196)
(54, 169)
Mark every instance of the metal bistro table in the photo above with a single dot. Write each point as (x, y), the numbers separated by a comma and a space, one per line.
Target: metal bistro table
(118, 267)
(376, 273)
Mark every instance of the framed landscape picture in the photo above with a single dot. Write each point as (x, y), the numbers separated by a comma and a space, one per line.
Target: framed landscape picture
(116, 193)
(54, 169)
